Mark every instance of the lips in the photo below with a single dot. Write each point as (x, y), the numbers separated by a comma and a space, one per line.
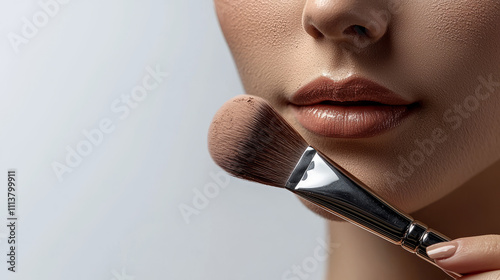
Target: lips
(354, 108)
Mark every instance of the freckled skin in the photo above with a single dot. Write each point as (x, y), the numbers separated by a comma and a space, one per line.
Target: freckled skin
(444, 54)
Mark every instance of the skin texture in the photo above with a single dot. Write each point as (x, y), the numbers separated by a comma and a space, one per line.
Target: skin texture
(443, 54)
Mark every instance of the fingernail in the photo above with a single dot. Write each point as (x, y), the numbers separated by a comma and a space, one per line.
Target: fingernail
(442, 250)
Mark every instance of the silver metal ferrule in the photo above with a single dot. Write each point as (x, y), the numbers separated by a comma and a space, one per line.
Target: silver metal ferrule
(324, 183)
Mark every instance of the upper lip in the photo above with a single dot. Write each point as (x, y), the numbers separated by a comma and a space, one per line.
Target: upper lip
(355, 89)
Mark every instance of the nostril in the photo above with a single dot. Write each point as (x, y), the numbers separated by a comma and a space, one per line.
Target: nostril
(356, 30)
(361, 30)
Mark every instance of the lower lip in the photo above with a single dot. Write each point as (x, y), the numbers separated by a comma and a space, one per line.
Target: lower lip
(350, 121)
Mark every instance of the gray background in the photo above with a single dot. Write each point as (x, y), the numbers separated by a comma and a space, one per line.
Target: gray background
(116, 215)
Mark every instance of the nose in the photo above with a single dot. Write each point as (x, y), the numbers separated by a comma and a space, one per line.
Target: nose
(358, 22)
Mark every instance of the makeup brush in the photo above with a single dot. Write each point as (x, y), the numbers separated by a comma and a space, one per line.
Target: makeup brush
(250, 140)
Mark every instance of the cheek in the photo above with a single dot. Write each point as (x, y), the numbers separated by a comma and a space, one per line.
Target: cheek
(462, 50)
(261, 36)
(446, 50)
(446, 44)
(260, 25)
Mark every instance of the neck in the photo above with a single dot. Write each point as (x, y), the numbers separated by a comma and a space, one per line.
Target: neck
(468, 211)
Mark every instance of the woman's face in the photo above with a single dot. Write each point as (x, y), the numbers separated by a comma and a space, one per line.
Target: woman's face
(433, 125)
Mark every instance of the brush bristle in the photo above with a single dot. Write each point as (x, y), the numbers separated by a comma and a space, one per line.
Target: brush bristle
(250, 140)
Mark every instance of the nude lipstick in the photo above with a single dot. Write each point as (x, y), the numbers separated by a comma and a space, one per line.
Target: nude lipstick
(353, 108)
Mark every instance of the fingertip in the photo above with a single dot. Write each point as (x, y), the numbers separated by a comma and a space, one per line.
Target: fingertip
(467, 255)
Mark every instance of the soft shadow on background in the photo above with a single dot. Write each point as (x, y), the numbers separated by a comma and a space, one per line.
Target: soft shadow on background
(108, 149)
